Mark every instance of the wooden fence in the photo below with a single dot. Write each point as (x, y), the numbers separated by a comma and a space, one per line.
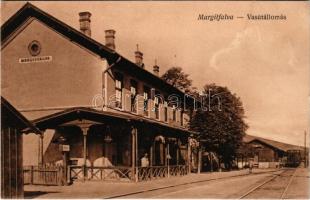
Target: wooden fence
(118, 173)
(43, 175)
(54, 175)
(155, 172)
(178, 170)
(121, 173)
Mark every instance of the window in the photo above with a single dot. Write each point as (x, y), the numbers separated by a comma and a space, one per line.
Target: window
(165, 111)
(156, 107)
(174, 113)
(133, 91)
(182, 123)
(34, 48)
(118, 90)
(146, 96)
(156, 104)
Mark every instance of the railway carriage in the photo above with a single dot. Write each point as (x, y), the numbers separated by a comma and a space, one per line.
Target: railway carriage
(293, 158)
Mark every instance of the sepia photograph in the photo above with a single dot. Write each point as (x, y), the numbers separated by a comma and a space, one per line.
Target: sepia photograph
(155, 99)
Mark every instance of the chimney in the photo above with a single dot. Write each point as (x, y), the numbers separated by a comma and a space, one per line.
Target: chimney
(139, 57)
(85, 23)
(110, 38)
(156, 69)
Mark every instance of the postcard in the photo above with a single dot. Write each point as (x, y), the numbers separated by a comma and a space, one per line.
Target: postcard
(155, 99)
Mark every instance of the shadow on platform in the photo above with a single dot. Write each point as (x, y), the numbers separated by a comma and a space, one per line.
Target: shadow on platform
(35, 194)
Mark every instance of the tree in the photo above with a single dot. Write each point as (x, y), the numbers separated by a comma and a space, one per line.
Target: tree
(220, 122)
(177, 78)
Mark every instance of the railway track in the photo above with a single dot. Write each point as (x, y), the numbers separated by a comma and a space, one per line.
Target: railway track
(187, 184)
(274, 187)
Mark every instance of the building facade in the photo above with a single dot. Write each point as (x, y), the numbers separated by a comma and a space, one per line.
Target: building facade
(107, 112)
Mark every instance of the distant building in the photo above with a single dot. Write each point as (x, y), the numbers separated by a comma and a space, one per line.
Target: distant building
(106, 111)
(264, 152)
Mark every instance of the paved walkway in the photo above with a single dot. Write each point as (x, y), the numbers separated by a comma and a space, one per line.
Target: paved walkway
(104, 189)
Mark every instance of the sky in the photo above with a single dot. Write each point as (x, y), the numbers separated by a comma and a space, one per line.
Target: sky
(265, 63)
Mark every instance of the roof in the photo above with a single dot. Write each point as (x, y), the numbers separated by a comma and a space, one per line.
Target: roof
(114, 59)
(11, 117)
(278, 145)
(56, 119)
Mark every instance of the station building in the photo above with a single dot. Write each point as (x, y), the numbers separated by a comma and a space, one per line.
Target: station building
(106, 112)
(265, 153)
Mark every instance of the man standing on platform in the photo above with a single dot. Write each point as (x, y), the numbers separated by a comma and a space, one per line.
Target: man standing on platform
(145, 161)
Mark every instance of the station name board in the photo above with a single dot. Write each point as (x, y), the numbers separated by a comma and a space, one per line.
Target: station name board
(35, 59)
(64, 147)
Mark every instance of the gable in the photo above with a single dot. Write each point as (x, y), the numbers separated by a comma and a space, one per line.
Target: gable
(72, 76)
(30, 11)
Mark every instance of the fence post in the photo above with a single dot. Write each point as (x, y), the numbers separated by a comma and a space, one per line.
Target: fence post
(31, 175)
(199, 159)
(189, 155)
(133, 153)
(64, 168)
(69, 175)
(168, 169)
(137, 175)
(60, 177)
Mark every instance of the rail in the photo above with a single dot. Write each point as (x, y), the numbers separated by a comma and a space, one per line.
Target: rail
(268, 181)
(288, 185)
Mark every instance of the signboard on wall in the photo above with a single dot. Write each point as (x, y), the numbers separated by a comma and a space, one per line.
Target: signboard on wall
(35, 59)
(64, 147)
